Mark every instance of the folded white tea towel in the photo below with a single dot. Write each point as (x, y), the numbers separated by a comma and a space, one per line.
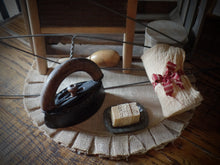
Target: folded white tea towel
(164, 66)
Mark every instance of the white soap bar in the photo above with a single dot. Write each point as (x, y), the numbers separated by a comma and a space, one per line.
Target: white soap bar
(125, 114)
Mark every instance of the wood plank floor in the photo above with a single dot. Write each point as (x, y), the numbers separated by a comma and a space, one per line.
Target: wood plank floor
(22, 143)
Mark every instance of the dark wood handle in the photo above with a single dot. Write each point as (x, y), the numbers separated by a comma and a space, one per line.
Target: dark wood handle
(60, 73)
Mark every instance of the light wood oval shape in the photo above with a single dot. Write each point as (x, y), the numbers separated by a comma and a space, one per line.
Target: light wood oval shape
(105, 58)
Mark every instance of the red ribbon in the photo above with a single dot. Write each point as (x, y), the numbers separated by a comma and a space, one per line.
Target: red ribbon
(169, 77)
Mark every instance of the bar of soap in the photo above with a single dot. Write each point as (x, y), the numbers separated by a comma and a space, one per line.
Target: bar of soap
(125, 114)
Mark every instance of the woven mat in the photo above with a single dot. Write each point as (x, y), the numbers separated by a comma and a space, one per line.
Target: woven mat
(91, 137)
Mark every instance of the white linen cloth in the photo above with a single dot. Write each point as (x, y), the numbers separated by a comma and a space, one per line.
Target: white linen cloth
(155, 61)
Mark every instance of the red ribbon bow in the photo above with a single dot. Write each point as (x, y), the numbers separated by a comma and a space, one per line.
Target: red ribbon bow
(169, 77)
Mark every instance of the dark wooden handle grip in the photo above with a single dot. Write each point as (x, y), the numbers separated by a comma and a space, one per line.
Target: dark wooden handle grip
(60, 73)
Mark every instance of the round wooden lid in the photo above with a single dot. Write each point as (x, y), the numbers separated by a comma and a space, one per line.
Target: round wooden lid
(169, 28)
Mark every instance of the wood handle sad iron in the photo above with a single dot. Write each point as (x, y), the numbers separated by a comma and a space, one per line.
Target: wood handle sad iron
(75, 103)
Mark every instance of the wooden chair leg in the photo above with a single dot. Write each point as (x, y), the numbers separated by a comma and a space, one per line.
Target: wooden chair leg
(129, 34)
(38, 42)
(26, 21)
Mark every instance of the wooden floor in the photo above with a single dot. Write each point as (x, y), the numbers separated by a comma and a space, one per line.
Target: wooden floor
(22, 143)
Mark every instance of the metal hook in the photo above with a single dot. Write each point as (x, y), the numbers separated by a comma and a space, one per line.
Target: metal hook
(72, 46)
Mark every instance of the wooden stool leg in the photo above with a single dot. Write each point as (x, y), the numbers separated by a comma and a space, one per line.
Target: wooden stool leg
(38, 42)
(129, 34)
(39, 49)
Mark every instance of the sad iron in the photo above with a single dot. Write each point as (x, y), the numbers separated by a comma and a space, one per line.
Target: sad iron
(78, 101)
